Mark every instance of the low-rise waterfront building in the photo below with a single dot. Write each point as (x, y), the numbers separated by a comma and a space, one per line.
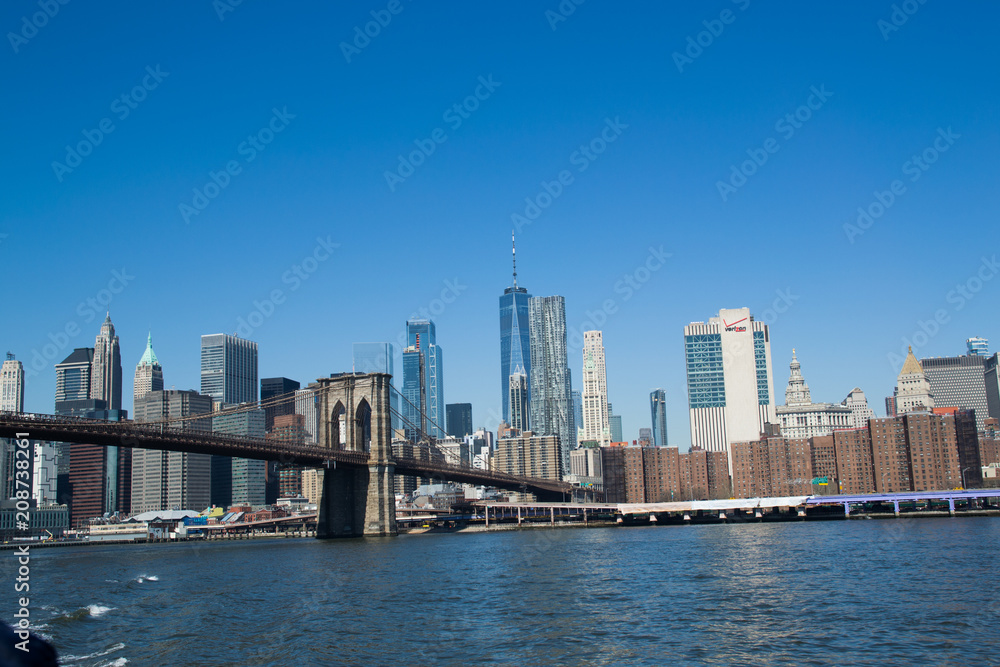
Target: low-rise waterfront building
(44, 521)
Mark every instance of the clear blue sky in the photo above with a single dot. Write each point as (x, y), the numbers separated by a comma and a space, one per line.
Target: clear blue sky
(884, 96)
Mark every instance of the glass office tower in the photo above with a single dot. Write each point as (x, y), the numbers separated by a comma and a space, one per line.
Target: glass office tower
(421, 336)
(658, 412)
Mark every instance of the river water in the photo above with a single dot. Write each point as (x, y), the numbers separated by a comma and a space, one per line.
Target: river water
(907, 591)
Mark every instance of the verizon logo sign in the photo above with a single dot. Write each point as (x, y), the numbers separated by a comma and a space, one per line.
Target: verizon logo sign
(731, 326)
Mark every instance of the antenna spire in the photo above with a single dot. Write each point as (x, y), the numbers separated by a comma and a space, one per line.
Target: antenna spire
(513, 250)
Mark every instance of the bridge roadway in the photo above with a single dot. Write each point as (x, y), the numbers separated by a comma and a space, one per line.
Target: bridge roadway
(156, 436)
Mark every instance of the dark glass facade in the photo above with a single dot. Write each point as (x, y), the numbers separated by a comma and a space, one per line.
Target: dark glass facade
(459, 419)
(658, 412)
(515, 342)
(271, 387)
(706, 381)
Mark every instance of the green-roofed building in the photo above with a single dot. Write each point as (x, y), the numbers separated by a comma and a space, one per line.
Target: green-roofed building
(148, 372)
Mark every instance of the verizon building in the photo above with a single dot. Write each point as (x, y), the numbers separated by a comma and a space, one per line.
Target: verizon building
(730, 385)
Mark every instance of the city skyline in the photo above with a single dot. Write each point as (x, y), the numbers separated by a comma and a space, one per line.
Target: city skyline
(667, 135)
(629, 435)
(725, 240)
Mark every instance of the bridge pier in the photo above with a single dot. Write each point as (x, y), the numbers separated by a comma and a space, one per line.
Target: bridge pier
(357, 502)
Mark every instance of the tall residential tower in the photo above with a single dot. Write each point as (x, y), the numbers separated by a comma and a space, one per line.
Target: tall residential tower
(551, 402)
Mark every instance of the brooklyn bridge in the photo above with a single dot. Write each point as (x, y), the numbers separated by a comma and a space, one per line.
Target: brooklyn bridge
(353, 445)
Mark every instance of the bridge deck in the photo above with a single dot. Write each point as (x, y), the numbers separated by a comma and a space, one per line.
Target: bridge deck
(203, 441)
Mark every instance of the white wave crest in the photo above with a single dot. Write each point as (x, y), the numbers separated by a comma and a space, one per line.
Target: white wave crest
(97, 610)
(100, 654)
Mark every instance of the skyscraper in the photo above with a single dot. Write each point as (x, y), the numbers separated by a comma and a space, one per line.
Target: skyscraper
(164, 480)
(520, 417)
(149, 467)
(229, 376)
(72, 399)
(459, 419)
(658, 413)
(248, 477)
(577, 415)
(729, 380)
(978, 346)
(305, 405)
(11, 385)
(373, 358)
(148, 373)
(413, 394)
(515, 342)
(271, 388)
(422, 338)
(959, 382)
(913, 391)
(44, 474)
(277, 400)
(228, 368)
(287, 429)
(991, 376)
(378, 358)
(92, 479)
(551, 401)
(596, 414)
(106, 370)
(615, 424)
(860, 410)
(11, 400)
(73, 377)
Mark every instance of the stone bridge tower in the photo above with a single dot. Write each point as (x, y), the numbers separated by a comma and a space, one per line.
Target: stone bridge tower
(353, 412)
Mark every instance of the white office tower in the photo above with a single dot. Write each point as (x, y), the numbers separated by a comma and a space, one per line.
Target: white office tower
(861, 412)
(913, 390)
(11, 385)
(730, 385)
(305, 405)
(44, 473)
(596, 416)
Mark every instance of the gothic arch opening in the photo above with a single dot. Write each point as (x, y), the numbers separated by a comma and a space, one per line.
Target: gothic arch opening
(363, 427)
(338, 426)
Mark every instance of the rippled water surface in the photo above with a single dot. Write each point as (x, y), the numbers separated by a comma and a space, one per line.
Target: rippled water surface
(908, 591)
